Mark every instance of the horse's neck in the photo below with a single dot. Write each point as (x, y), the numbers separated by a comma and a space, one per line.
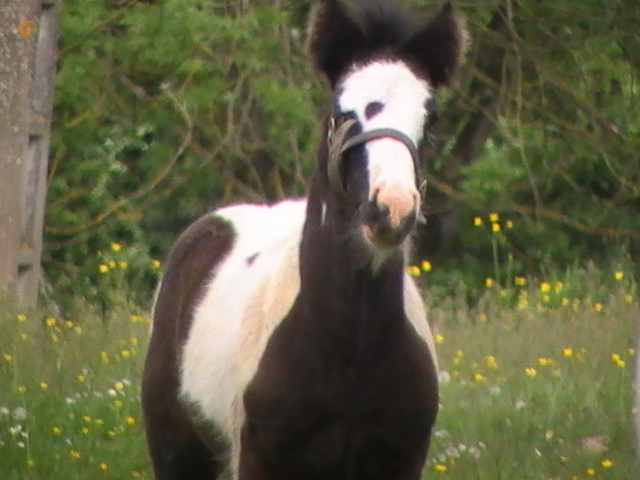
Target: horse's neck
(338, 282)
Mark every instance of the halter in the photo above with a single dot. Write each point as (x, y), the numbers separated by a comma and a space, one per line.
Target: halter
(338, 146)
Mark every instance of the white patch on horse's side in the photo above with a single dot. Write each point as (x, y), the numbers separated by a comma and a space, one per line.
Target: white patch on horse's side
(324, 213)
(416, 314)
(209, 376)
(403, 96)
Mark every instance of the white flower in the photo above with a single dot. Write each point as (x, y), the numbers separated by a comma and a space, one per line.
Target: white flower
(444, 376)
(20, 413)
(474, 452)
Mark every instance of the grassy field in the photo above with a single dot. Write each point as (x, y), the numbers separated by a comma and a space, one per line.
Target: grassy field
(535, 385)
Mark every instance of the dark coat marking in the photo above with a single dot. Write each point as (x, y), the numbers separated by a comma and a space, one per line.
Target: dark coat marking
(177, 449)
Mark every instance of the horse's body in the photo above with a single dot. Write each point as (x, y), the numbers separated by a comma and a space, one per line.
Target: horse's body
(288, 342)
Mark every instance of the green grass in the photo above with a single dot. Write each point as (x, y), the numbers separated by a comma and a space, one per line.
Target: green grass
(537, 386)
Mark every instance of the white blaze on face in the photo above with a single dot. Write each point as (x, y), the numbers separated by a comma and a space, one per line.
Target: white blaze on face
(401, 97)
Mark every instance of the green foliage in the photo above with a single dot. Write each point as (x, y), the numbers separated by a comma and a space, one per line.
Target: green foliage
(165, 109)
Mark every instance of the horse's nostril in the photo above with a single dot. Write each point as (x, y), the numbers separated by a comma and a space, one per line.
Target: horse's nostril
(376, 212)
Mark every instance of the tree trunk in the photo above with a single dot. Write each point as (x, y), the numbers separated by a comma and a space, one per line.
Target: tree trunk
(16, 47)
(28, 45)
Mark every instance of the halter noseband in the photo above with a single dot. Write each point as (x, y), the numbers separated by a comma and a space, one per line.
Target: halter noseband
(338, 146)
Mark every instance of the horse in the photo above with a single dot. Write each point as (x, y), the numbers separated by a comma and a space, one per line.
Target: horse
(288, 341)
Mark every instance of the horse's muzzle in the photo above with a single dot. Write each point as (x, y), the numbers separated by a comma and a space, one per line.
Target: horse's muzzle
(390, 215)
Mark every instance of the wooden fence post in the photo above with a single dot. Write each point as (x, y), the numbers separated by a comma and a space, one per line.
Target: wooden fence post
(28, 46)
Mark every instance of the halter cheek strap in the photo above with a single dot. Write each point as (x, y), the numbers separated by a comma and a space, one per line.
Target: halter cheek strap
(338, 146)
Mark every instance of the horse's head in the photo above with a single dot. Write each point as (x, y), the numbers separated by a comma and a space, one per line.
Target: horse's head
(383, 74)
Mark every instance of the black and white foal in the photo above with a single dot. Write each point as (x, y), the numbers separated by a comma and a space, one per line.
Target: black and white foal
(288, 342)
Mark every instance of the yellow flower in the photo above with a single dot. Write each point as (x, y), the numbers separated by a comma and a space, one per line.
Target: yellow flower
(565, 301)
(618, 275)
(492, 362)
(31, 462)
(591, 472)
(85, 430)
(520, 281)
(24, 336)
(617, 360)
(545, 362)
(123, 265)
(546, 298)
(44, 385)
(567, 352)
(130, 420)
(557, 286)
(478, 377)
(103, 268)
(103, 466)
(628, 298)
(74, 454)
(413, 270)
(495, 227)
(118, 386)
(7, 357)
(136, 474)
(493, 217)
(118, 403)
(112, 264)
(439, 467)
(508, 224)
(488, 282)
(56, 430)
(81, 378)
(426, 266)
(104, 356)
(531, 372)
(125, 353)
(116, 247)
(545, 287)
(477, 221)
(21, 317)
(50, 321)
(21, 388)
(606, 463)
(156, 263)
(439, 339)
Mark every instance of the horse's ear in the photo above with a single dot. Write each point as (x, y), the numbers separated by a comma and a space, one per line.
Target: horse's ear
(439, 46)
(335, 40)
